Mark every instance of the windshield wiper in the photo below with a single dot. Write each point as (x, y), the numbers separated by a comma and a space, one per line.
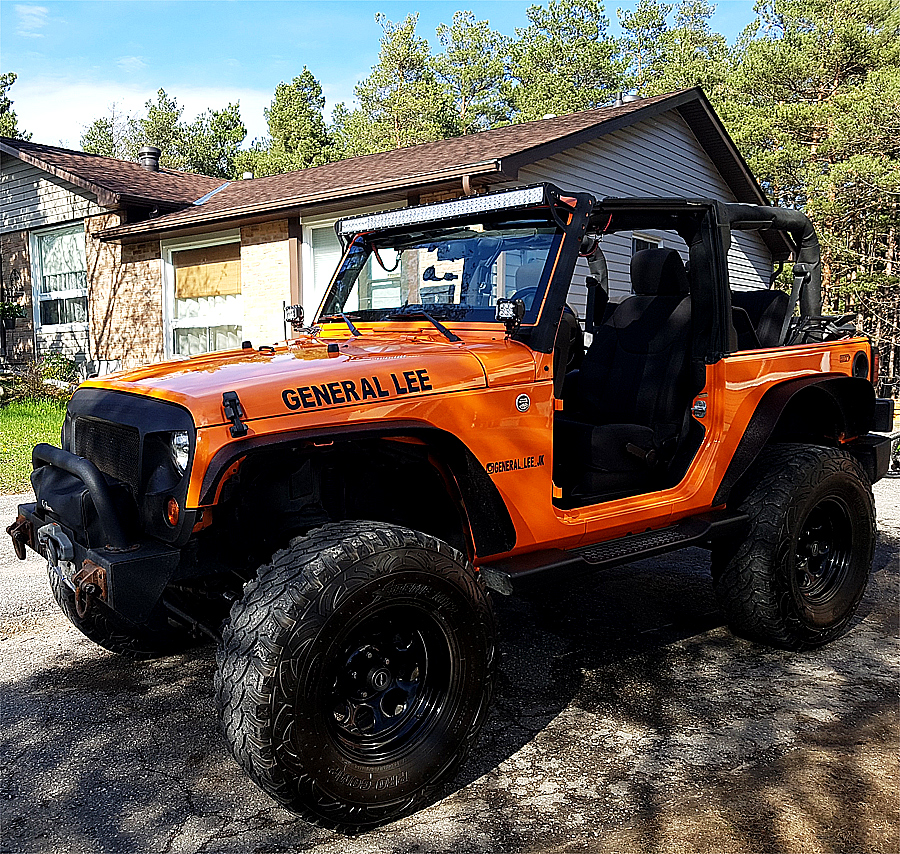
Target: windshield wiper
(343, 317)
(402, 315)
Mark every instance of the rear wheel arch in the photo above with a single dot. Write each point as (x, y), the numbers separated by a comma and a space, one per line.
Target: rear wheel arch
(817, 409)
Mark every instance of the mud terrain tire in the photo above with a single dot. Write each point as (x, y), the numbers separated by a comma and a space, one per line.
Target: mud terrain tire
(105, 628)
(356, 672)
(797, 577)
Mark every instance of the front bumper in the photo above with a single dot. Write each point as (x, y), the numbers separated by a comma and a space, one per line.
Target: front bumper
(81, 530)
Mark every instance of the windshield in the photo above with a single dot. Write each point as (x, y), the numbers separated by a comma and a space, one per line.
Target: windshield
(454, 272)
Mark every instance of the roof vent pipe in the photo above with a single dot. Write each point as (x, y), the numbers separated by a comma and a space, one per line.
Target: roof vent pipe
(618, 102)
(149, 157)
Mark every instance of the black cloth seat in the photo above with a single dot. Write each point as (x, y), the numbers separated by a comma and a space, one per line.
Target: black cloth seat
(627, 408)
(766, 310)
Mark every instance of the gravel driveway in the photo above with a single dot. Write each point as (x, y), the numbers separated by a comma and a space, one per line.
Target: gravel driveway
(628, 719)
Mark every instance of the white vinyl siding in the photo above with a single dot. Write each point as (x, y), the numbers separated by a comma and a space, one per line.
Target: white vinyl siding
(32, 198)
(656, 157)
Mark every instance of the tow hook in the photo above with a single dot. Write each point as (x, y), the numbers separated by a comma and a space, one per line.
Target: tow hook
(58, 549)
(21, 534)
(90, 585)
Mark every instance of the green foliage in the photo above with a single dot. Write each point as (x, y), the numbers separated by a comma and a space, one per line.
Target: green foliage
(208, 145)
(9, 122)
(401, 102)
(473, 68)
(564, 60)
(298, 137)
(10, 310)
(23, 424)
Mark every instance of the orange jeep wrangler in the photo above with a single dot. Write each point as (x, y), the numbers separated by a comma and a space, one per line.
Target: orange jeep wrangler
(333, 510)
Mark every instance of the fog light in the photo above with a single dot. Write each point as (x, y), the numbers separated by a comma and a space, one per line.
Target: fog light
(173, 512)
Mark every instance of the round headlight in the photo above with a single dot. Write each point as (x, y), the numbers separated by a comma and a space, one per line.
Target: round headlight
(181, 450)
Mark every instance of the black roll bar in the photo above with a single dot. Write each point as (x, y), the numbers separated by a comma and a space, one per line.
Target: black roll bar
(802, 232)
(91, 477)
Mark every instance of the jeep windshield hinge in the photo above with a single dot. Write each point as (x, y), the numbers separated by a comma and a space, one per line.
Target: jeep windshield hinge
(234, 412)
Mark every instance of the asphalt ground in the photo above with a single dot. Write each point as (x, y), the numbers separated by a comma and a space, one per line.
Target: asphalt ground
(627, 719)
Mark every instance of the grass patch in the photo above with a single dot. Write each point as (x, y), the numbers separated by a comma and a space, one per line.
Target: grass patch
(23, 424)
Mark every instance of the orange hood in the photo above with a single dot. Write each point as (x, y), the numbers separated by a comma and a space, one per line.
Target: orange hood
(304, 376)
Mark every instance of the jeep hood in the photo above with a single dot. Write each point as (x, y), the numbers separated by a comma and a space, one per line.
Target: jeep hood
(304, 376)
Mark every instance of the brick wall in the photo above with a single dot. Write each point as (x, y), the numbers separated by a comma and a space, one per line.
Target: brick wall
(125, 296)
(265, 280)
(15, 268)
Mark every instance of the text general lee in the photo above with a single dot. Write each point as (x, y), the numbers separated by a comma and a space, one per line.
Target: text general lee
(347, 391)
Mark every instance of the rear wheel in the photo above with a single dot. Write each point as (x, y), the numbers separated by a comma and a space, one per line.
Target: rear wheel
(356, 672)
(797, 577)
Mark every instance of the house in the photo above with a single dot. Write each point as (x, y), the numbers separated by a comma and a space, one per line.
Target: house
(175, 264)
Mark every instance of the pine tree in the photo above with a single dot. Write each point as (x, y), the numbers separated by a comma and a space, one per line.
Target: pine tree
(564, 60)
(9, 122)
(298, 137)
(473, 68)
(401, 102)
(814, 106)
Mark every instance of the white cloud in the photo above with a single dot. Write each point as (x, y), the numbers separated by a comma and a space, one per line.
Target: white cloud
(131, 64)
(56, 111)
(31, 19)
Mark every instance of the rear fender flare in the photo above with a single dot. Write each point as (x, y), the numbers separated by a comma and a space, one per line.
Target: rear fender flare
(850, 399)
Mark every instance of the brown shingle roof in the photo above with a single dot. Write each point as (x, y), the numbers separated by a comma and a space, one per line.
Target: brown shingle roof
(113, 181)
(495, 155)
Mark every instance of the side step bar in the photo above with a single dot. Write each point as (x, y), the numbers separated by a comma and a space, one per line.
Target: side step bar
(509, 574)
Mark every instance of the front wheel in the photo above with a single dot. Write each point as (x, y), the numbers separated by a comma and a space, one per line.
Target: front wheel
(797, 577)
(356, 672)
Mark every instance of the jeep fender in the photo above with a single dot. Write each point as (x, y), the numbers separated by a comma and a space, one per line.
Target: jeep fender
(493, 531)
(848, 401)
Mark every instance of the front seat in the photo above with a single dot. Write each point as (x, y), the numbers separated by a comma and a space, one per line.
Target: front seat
(627, 409)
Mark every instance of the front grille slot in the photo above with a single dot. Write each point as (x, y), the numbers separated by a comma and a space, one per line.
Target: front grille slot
(113, 448)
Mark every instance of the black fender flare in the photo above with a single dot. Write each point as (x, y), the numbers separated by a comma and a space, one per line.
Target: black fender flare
(852, 397)
(493, 531)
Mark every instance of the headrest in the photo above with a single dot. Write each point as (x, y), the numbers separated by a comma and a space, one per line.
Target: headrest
(658, 272)
(529, 275)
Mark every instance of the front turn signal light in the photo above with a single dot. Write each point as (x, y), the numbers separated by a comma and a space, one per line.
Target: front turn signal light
(173, 512)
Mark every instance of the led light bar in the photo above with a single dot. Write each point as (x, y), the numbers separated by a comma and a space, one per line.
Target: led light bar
(442, 210)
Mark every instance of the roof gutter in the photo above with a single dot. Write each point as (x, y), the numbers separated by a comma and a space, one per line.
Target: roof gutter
(105, 198)
(203, 217)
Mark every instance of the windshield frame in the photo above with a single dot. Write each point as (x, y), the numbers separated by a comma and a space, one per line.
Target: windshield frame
(534, 223)
(568, 210)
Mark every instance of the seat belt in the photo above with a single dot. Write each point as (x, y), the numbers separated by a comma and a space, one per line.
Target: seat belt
(801, 277)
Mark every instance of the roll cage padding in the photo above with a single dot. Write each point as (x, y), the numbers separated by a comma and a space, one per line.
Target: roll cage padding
(493, 531)
(853, 398)
(803, 234)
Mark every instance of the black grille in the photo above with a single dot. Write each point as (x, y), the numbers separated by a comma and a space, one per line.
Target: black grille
(113, 448)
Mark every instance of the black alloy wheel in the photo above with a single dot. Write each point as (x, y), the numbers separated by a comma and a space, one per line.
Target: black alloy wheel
(356, 672)
(797, 577)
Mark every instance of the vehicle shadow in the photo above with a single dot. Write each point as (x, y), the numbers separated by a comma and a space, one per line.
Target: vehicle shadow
(613, 693)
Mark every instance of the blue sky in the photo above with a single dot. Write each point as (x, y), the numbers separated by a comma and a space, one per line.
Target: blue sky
(75, 59)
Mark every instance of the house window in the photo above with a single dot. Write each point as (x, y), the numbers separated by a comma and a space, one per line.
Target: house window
(326, 251)
(204, 310)
(60, 278)
(639, 243)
